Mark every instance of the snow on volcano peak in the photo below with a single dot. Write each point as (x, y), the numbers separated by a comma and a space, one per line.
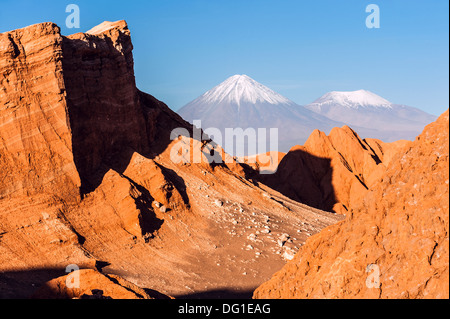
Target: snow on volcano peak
(241, 88)
(241, 102)
(352, 99)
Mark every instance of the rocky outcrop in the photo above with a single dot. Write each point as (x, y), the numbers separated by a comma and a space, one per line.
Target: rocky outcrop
(72, 126)
(332, 172)
(91, 284)
(394, 244)
(87, 178)
(105, 113)
(70, 109)
(35, 134)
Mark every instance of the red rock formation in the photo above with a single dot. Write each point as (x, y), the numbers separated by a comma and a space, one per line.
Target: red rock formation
(399, 232)
(36, 144)
(73, 123)
(69, 107)
(87, 178)
(332, 172)
(90, 284)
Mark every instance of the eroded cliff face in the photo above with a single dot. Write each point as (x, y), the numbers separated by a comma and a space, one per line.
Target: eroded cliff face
(71, 110)
(35, 134)
(71, 122)
(399, 231)
(105, 113)
(87, 178)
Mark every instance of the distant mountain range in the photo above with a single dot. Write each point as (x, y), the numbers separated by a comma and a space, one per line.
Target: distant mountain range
(242, 102)
(367, 111)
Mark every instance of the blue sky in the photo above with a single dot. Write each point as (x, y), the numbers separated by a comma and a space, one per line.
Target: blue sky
(301, 49)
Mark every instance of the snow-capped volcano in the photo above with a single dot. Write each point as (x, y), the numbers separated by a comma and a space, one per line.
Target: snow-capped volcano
(353, 99)
(243, 89)
(241, 102)
(368, 111)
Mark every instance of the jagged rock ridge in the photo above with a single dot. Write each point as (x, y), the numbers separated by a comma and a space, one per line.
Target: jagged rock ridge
(87, 178)
(332, 172)
(398, 232)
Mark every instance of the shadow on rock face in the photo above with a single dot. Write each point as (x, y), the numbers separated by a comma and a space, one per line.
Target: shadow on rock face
(305, 178)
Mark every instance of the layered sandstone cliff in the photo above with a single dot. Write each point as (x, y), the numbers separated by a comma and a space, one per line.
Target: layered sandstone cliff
(36, 143)
(87, 179)
(71, 120)
(394, 244)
